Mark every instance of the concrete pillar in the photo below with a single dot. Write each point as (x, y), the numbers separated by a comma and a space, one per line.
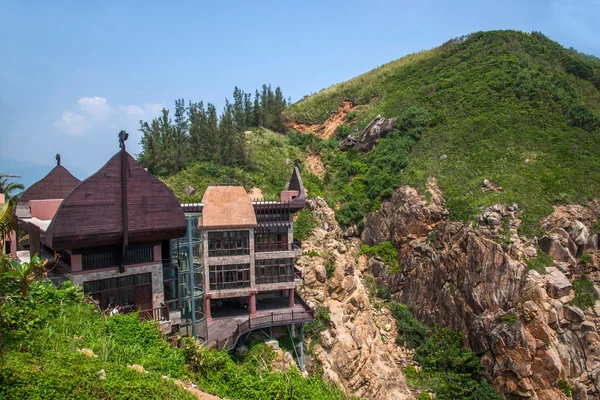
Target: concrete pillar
(291, 294)
(252, 301)
(207, 308)
(76, 263)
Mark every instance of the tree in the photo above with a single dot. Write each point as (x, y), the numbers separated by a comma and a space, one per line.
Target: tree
(7, 220)
(7, 188)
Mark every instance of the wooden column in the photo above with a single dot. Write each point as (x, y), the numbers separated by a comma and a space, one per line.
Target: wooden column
(291, 294)
(252, 302)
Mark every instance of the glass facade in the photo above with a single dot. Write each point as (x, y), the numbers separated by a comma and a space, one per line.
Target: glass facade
(188, 252)
(274, 271)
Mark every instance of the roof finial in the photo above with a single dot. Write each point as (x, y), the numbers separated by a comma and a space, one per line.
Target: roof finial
(122, 138)
(57, 159)
(297, 163)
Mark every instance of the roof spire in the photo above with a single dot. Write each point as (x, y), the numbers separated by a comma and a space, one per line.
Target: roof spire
(57, 159)
(122, 138)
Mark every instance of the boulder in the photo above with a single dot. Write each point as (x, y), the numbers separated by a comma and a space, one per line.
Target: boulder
(557, 284)
(190, 191)
(552, 246)
(379, 128)
(573, 313)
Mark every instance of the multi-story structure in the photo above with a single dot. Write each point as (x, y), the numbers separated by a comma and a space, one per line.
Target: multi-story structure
(215, 269)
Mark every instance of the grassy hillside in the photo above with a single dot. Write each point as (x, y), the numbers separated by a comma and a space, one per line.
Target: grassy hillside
(268, 171)
(514, 108)
(41, 336)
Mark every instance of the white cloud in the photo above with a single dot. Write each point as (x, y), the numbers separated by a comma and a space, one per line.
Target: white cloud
(72, 123)
(96, 113)
(96, 107)
(136, 113)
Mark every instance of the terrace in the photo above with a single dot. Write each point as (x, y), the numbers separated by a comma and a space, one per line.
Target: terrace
(229, 325)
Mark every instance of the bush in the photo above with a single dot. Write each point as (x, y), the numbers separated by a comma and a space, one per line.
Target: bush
(330, 269)
(566, 388)
(540, 263)
(386, 252)
(304, 224)
(447, 369)
(585, 293)
(509, 318)
(321, 322)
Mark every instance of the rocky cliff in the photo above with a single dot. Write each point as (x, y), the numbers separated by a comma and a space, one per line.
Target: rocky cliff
(358, 349)
(485, 280)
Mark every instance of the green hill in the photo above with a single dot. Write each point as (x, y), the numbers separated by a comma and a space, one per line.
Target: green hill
(515, 108)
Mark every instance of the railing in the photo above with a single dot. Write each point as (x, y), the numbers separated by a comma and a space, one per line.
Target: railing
(264, 321)
(297, 273)
(156, 314)
(297, 245)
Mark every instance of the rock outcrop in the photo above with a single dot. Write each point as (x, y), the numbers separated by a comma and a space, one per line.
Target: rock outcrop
(379, 128)
(474, 278)
(354, 352)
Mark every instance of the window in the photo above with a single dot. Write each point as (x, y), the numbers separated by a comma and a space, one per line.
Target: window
(271, 239)
(111, 257)
(229, 276)
(228, 243)
(124, 290)
(274, 271)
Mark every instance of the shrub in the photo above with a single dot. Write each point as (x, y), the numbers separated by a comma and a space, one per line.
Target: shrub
(540, 263)
(304, 224)
(411, 332)
(386, 252)
(566, 388)
(330, 269)
(384, 293)
(509, 318)
(585, 293)
(321, 322)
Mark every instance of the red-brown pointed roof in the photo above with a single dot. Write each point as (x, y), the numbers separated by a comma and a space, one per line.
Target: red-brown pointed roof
(92, 214)
(56, 185)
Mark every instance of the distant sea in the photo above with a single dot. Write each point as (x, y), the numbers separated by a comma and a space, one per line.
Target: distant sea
(32, 172)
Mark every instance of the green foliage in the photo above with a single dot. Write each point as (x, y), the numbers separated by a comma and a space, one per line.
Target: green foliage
(509, 318)
(386, 252)
(565, 387)
(411, 332)
(304, 224)
(266, 169)
(42, 333)
(511, 96)
(585, 259)
(321, 322)
(384, 293)
(197, 134)
(329, 269)
(447, 369)
(540, 263)
(585, 293)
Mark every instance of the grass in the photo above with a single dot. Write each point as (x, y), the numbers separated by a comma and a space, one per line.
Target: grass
(540, 262)
(527, 107)
(40, 361)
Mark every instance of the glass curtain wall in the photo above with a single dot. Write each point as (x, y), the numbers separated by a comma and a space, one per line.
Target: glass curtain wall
(189, 251)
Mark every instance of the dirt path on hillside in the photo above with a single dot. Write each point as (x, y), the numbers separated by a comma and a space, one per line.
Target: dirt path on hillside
(327, 128)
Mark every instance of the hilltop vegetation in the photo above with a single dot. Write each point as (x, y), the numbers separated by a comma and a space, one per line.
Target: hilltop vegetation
(514, 108)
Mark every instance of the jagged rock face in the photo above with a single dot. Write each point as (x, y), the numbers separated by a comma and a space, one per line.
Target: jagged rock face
(379, 128)
(474, 279)
(352, 351)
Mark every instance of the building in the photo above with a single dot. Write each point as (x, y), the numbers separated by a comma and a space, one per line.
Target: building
(215, 270)
(106, 231)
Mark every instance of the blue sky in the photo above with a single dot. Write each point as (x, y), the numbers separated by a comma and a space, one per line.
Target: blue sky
(74, 73)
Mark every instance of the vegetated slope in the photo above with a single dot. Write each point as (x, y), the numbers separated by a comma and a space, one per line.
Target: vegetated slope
(517, 109)
(271, 162)
(56, 345)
